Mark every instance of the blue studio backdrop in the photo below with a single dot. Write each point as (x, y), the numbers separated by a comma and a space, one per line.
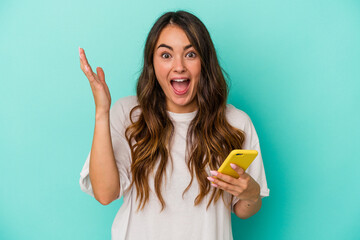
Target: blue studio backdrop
(293, 66)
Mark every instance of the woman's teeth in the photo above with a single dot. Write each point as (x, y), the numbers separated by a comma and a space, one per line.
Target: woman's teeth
(179, 80)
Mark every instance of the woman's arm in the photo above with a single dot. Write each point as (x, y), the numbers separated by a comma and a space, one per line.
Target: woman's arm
(104, 174)
(245, 209)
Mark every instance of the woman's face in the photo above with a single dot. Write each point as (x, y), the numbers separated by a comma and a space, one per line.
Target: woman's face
(177, 68)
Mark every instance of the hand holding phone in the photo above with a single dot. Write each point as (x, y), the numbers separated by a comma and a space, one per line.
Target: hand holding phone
(240, 157)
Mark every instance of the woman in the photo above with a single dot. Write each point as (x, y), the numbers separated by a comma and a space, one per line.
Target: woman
(160, 149)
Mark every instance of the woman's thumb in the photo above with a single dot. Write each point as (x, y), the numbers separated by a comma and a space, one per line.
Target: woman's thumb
(100, 74)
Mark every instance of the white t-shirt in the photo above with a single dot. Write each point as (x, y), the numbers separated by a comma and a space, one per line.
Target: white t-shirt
(180, 219)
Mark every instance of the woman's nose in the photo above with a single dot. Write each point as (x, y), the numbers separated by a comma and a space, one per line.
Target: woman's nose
(179, 65)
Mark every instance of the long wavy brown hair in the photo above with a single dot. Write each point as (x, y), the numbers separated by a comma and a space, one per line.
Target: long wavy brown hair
(210, 137)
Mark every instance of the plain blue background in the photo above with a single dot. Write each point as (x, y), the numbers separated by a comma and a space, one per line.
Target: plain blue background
(294, 67)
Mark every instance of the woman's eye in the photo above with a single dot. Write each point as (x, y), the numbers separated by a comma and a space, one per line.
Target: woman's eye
(165, 55)
(191, 54)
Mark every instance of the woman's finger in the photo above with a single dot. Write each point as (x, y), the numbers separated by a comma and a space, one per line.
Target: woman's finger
(100, 74)
(83, 57)
(233, 189)
(83, 60)
(224, 177)
(89, 74)
(222, 188)
(85, 66)
(238, 169)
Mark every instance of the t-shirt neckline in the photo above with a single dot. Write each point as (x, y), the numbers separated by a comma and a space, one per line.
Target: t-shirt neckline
(182, 116)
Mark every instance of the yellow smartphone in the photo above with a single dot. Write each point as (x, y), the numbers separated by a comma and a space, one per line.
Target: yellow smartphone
(240, 157)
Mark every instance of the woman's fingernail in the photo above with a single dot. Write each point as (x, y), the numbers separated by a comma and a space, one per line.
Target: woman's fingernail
(214, 185)
(210, 179)
(233, 166)
(214, 173)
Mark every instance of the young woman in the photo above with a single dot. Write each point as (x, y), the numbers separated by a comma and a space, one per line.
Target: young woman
(159, 150)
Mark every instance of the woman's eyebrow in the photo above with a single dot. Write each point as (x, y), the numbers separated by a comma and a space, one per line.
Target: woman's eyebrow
(167, 46)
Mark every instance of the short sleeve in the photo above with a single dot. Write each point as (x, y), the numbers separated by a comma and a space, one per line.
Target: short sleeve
(118, 120)
(256, 169)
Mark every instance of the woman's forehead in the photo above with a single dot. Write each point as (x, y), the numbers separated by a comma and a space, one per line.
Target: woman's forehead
(173, 36)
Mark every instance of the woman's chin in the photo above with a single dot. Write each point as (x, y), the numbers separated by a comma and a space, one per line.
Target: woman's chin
(182, 105)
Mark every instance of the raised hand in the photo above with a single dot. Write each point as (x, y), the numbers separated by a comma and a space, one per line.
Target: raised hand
(98, 85)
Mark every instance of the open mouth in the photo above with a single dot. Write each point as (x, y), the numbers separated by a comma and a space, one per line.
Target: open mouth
(180, 86)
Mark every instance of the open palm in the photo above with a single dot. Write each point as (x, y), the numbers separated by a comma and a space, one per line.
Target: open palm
(98, 85)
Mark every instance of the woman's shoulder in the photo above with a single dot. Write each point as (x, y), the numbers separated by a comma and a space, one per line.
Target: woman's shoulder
(235, 115)
(126, 102)
(120, 110)
(241, 120)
